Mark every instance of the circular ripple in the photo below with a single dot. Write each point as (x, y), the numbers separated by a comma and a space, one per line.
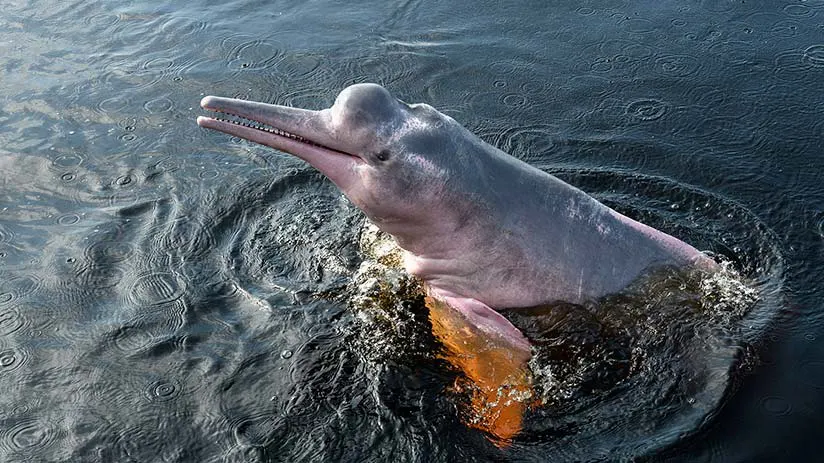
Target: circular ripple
(189, 236)
(259, 430)
(15, 288)
(6, 235)
(301, 66)
(167, 164)
(639, 25)
(775, 405)
(799, 11)
(514, 100)
(67, 161)
(677, 65)
(124, 180)
(96, 277)
(254, 55)
(784, 29)
(526, 143)
(379, 69)
(10, 321)
(163, 391)
(114, 104)
(109, 252)
(178, 27)
(29, 436)
(791, 66)
(158, 105)
(156, 288)
(814, 55)
(131, 339)
(208, 174)
(719, 6)
(646, 110)
(12, 359)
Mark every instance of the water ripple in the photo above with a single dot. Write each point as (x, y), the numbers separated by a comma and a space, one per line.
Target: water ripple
(12, 359)
(646, 109)
(814, 55)
(678, 66)
(156, 289)
(253, 55)
(30, 435)
(163, 390)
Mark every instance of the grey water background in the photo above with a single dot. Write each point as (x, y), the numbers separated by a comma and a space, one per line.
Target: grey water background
(158, 283)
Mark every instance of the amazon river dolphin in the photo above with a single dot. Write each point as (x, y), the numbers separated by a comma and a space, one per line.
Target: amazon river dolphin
(482, 229)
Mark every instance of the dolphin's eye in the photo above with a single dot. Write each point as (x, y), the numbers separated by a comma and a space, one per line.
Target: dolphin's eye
(382, 155)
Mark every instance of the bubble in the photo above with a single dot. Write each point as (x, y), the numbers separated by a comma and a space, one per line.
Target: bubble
(156, 288)
(286, 354)
(123, 180)
(646, 109)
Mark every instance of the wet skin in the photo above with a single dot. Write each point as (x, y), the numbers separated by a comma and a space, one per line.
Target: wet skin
(480, 228)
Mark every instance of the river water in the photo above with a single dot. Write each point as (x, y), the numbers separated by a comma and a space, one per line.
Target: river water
(172, 294)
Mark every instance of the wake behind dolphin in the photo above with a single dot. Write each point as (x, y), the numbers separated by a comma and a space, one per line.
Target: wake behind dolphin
(481, 229)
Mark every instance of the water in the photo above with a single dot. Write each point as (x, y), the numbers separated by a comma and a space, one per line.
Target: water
(168, 294)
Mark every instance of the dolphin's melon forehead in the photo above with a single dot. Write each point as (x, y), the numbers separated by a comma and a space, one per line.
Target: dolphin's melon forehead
(367, 98)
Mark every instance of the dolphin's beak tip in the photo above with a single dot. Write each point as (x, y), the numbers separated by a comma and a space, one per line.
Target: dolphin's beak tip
(200, 120)
(206, 102)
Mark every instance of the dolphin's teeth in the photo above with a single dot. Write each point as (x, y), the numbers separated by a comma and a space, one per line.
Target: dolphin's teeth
(257, 126)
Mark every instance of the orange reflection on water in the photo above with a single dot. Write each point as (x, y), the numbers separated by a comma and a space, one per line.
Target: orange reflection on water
(495, 372)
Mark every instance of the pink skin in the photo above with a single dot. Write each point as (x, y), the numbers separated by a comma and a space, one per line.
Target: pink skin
(482, 229)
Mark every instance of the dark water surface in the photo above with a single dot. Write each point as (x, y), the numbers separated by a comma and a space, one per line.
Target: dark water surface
(170, 294)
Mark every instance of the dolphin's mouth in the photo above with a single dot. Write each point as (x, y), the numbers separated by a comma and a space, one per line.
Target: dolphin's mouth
(234, 119)
(300, 132)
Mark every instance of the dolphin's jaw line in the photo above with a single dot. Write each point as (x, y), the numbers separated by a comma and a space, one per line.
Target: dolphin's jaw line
(257, 125)
(225, 124)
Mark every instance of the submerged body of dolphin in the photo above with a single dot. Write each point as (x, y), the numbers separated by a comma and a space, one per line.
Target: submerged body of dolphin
(482, 229)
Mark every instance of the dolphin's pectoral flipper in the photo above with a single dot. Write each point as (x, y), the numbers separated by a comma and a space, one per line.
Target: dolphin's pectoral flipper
(492, 360)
